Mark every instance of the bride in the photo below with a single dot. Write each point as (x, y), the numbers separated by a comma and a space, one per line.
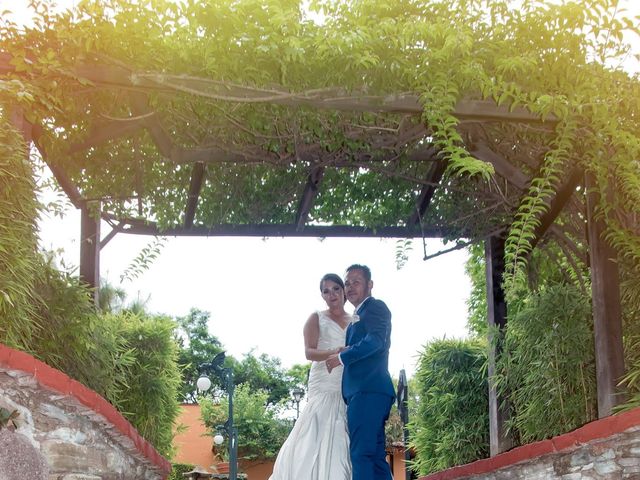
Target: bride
(318, 446)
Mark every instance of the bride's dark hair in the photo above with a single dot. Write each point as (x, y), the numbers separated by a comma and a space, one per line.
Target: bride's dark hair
(332, 277)
(336, 279)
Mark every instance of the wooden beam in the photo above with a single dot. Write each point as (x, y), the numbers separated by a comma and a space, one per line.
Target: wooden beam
(428, 190)
(90, 247)
(607, 314)
(167, 148)
(197, 176)
(502, 167)
(563, 194)
(499, 440)
(308, 196)
(108, 131)
(333, 99)
(114, 231)
(18, 120)
(274, 230)
(60, 175)
(140, 107)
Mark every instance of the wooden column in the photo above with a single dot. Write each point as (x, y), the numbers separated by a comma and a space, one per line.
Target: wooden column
(607, 316)
(497, 317)
(16, 116)
(90, 247)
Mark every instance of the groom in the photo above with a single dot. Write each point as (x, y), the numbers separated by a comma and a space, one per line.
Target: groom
(366, 383)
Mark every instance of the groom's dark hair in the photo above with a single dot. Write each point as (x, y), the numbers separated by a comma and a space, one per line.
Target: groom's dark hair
(365, 270)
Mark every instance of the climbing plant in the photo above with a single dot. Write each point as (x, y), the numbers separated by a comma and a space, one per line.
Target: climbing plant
(240, 82)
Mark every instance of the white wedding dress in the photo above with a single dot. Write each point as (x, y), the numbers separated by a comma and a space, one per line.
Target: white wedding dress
(318, 446)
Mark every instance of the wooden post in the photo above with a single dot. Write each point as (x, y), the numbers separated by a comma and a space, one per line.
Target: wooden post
(497, 317)
(607, 315)
(90, 247)
(16, 116)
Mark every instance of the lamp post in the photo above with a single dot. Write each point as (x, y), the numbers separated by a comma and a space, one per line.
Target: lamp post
(403, 409)
(297, 394)
(203, 384)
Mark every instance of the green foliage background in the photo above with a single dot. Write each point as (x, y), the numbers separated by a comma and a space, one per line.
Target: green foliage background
(153, 379)
(196, 347)
(177, 469)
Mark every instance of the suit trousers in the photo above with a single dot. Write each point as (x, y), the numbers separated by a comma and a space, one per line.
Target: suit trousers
(366, 416)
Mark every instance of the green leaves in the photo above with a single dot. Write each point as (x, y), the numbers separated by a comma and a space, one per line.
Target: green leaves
(556, 61)
(547, 368)
(451, 426)
(260, 432)
(534, 204)
(19, 263)
(143, 261)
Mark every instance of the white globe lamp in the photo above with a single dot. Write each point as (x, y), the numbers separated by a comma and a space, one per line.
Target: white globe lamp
(203, 384)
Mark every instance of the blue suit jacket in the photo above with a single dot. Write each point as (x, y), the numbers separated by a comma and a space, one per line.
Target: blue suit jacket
(366, 361)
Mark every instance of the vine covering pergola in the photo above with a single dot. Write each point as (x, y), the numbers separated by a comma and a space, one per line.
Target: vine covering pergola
(471, 120)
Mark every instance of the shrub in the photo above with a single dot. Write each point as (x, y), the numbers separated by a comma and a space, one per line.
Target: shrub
(150, 399)
(630, 292)
(19, 263)
(177, 470)
(547, 369)
(452, 422)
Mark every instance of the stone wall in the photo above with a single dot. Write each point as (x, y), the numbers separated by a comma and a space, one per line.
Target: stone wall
(80, 435)
(607, 449)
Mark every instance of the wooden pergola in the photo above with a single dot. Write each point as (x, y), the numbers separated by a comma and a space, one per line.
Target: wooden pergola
(482, 211)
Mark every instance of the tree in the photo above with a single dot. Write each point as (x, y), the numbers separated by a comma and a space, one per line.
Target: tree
(266, 373)
(110, 298)
(197, 346)
(260, 430)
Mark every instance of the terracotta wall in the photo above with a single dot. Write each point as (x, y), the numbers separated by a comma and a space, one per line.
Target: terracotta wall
(257, 470)
(397, 463)
(193, 445)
